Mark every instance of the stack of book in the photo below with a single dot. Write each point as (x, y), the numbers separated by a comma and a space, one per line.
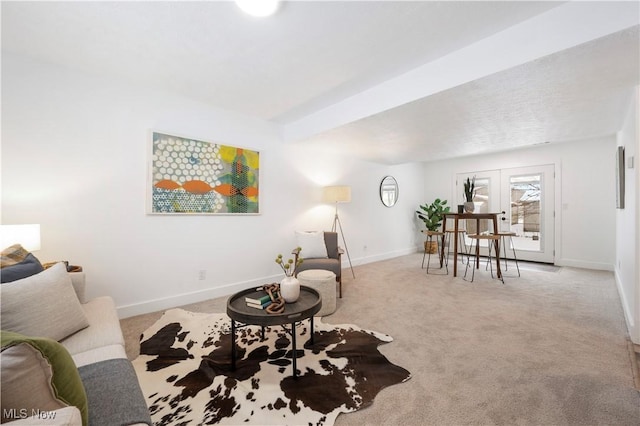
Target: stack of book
(258, 302)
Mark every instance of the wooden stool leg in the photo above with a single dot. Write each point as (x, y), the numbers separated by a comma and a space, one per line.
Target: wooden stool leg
(501, 277)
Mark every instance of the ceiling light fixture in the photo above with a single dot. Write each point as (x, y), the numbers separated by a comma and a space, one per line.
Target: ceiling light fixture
(258, 8)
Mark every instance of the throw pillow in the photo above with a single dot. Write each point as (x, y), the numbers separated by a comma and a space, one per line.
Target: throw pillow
(312, 244)
(12, 255)
(17, 263)
(44, 305)
(38, 374)
(29, 266)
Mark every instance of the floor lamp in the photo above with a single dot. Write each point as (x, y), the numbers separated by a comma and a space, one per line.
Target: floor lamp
(339, 194)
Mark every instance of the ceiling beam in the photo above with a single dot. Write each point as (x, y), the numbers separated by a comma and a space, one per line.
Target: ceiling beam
(561, 28)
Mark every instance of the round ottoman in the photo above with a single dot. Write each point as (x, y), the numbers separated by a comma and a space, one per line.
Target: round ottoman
(324, 282)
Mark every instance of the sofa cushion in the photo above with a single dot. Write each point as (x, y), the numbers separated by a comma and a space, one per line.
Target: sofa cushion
(43, 305)
(327, 264)
(312, 244)
(115, 397)
(104, 327)
(38, 374)
(17, 263)
(102, 353)
(78, 281)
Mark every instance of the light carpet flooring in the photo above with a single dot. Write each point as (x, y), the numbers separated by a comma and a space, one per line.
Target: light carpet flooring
(548, 348)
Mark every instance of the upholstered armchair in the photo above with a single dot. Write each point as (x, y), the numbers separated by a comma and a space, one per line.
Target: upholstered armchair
(333, 261)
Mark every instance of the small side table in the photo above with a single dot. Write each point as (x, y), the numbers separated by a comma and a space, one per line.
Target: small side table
(325, 283)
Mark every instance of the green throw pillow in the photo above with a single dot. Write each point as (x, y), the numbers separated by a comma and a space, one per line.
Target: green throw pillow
(66, 383)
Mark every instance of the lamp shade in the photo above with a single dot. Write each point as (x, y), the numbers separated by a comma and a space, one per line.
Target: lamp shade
(337, 194)
(259, 8)
(28, 236)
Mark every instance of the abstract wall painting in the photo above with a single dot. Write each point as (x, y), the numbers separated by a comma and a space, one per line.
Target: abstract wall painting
(190, 176)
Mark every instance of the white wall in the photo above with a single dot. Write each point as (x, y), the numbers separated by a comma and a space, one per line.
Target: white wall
(627, 246)
(584, 193)
(74, 159)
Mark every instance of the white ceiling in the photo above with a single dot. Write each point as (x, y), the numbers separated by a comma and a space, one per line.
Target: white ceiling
(312, 56)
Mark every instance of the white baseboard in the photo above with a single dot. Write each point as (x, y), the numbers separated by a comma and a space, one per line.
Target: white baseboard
(193, 297)
(599, 266)
(634, 334)
(168, 302)
(377, 258)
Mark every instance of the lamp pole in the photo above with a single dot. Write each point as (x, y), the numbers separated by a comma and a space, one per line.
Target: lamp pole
(338, 224)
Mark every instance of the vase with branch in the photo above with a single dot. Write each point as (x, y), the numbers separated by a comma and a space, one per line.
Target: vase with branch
(289, 286)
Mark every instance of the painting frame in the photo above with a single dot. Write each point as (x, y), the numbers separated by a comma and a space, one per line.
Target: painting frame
(620, 177)
(194, 176)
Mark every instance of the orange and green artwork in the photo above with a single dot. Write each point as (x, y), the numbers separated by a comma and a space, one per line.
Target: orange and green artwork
(192, 176)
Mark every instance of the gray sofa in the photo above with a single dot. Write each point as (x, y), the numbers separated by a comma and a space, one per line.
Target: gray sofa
(113, 394)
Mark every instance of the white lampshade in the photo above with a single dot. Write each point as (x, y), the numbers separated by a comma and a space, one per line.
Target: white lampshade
(337, 194)
(258, 8)
(28, 236)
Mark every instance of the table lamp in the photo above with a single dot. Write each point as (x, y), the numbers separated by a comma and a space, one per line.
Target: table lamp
(28, 236)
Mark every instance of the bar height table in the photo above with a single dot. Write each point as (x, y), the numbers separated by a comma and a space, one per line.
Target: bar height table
(473, 216)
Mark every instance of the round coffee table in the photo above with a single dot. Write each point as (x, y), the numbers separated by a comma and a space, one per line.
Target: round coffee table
(307, 305)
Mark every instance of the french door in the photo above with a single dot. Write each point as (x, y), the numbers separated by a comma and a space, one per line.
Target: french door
(525, 198)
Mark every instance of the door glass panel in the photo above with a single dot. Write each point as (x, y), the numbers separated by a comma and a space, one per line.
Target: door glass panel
(528, 204)
(525, 211)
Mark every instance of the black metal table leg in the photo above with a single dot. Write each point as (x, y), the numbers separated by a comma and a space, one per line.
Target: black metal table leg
(233, 345)
(262, 340)
(312, 329)
(293, 342)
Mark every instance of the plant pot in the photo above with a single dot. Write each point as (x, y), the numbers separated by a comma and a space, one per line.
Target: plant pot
(431, 247)
(290, 289)
(469, 207)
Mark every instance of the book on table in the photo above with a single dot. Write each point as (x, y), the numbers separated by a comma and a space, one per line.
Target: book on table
(259, 305)
(259, 300)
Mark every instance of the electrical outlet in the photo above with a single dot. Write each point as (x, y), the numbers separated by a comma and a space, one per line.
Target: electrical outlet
(202, 274)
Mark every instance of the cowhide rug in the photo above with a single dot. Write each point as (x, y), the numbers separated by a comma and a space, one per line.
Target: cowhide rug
(184, 371)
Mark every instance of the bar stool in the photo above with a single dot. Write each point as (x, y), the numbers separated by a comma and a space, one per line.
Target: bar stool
(503, 236)
(491, 238)
(461, 243)
(430, 235)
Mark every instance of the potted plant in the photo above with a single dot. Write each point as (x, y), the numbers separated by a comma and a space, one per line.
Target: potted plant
(469, 188)
(432, 215)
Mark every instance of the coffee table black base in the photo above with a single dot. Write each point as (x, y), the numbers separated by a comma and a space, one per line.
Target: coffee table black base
(292, 333)
(308, 304)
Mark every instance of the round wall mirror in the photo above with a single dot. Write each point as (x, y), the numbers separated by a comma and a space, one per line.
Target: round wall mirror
(388, 191)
